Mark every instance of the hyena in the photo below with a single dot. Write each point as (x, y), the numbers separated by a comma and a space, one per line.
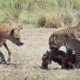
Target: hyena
(67, 36)
(7, 32)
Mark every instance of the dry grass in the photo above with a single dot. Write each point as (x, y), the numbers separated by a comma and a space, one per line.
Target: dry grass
(26, 60)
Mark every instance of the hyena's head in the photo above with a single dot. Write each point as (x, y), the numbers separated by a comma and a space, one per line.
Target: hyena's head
(54, 42)
(14, 37)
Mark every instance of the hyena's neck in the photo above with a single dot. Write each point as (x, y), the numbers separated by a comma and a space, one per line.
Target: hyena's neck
(5, 30)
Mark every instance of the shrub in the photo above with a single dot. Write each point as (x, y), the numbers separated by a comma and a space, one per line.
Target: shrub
(41, 20)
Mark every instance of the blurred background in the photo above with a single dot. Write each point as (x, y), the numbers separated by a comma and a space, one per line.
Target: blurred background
(44, 13)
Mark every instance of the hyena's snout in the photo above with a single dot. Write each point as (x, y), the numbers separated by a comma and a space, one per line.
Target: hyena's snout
(19, 42)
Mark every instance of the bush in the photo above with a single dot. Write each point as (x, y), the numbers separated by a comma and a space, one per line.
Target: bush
(41, 20)
(67, 20)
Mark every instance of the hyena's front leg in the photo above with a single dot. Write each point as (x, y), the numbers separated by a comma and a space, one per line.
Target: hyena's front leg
(9, 53)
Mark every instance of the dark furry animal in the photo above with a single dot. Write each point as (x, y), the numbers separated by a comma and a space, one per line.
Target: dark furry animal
(65, 60)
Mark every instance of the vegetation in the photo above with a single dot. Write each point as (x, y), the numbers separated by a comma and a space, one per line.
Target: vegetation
(29, 11)
(41, 20)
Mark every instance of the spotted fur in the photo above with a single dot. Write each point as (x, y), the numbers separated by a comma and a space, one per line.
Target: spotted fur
(8, 32)
(68, 36)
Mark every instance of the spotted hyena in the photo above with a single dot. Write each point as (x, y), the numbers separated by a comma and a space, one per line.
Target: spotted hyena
(67, 36)
(7, 32)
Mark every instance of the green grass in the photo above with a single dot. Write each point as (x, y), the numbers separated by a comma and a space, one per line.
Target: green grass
(28, 10)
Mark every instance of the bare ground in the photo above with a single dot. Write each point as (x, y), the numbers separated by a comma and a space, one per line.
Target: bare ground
(26, 60)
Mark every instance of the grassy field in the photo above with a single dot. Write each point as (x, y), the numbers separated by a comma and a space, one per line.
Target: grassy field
(26, 60)
(40, 11)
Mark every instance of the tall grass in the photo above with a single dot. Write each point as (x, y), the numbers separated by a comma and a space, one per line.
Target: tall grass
(28, 10)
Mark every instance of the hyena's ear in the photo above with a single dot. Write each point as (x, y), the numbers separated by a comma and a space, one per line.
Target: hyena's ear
(12, 32)
(19, 26)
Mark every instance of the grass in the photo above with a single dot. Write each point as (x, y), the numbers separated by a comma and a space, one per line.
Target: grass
(28, 10)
